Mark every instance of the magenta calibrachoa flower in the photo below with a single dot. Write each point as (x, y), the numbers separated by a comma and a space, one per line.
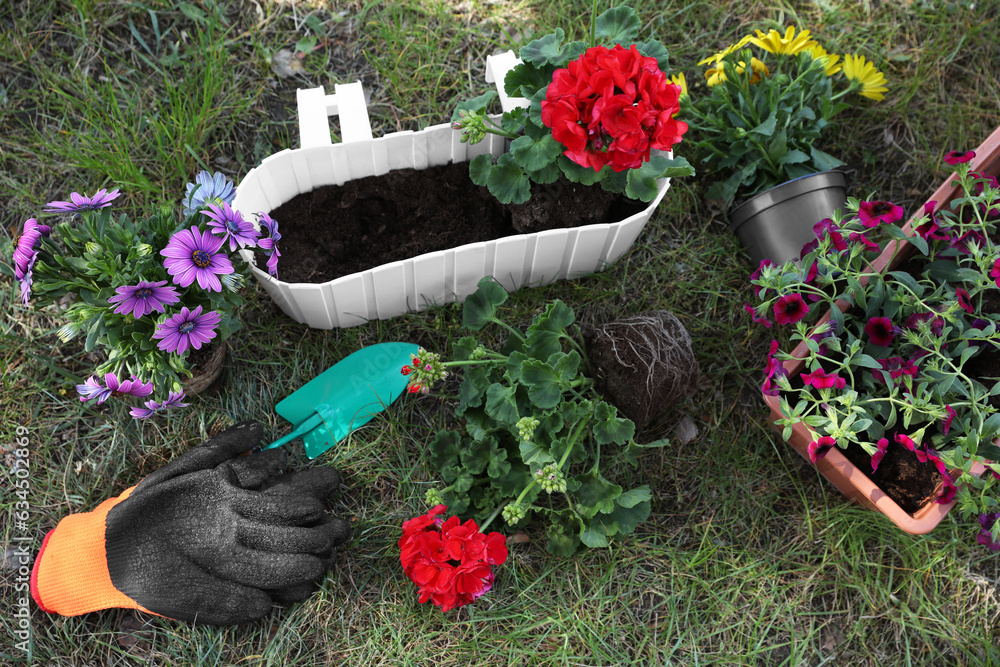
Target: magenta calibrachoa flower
(828, 228)
(112, 388)
(174, 399)
(270, 243)
(930, 230)
(820, 379)
(873, 213)
(881, 331)
(143, 298)
(24, 245)
(192, 256)
(790, 308)
(230, 224)
(820, 447)
(880, 450)
(954, 157)
(101, 199)
(188, 328)
(774, 369)
(985, 536)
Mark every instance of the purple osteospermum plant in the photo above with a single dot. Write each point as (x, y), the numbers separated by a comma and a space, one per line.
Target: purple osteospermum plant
(192, 256)
(27, 279)
(270, 243)
(144, 298)
(152, 407)
(207, 189)
(188, 328)
(79, 202)
(113, 388)
(24, 245)
(229, 224)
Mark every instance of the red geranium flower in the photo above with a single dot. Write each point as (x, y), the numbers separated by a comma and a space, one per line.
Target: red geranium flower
(612, 106)
(873, 213)
(790, 308)
(880, 330)
(448, 560)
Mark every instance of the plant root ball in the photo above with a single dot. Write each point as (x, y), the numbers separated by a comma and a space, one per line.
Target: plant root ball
(643, 364)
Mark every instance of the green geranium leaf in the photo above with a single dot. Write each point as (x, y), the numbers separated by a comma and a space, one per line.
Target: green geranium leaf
(476, 456)
(550, 174)
(480, 168)
(596, 494)
(592, 537)
(457, 501)
(677, 167)
(481, 306)
(614, 181)
(544, 51)
(633, 497)
(501, 404)
(463, 348)
(576, 173)
(560, 543)
(627, 518)
(543, 334)
(477, 105)
(474, 385)
(653, 48)
(566, 364)
(514, 361)
(544, 383)
(534, 155)
(609, 427)
(444, 449)
(508, 182)
(498, 466)
(478, 424)
(618, 25)
(641, 182)
(534, 455)
(524, 80)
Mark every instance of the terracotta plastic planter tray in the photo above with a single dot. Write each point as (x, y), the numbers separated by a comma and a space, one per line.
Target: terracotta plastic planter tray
(835, 467)
(434, 278)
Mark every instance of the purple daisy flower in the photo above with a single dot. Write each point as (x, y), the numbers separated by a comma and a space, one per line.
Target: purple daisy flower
(24, 245)
(192, 256)
(207, 189)
(873, 213)
(144, 298)
(100, 199)
(189, 328)
(271, 243)
(230, 225)
(113, 388)
(27, 279)
(152, 407)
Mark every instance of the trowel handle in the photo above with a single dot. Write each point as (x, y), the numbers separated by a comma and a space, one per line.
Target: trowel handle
(303, 428)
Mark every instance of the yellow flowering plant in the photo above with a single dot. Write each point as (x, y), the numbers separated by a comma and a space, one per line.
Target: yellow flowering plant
(759, 124)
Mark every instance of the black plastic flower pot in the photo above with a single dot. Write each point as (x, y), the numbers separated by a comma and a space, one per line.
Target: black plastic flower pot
(776, 223)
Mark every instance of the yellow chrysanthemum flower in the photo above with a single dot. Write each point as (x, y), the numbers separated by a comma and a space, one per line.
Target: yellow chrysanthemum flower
(872, 81)
(717, 75)
(831, 61)
(725, 52)
(788, 45)
(681, 81)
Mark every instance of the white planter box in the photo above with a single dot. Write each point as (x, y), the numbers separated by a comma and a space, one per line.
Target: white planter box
(427, 280)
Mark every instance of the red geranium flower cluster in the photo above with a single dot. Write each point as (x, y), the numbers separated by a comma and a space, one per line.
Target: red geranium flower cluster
(449, 560)
(611, 106)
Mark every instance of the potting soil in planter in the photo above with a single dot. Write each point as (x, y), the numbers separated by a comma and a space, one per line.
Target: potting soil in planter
(337, 230)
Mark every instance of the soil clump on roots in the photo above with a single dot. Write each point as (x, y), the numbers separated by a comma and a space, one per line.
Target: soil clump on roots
(643, 364)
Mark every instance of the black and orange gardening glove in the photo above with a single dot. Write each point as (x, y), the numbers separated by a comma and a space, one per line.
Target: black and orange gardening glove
(211, 537)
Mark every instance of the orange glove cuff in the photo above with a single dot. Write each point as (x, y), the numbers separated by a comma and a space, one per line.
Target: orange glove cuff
(70, 575)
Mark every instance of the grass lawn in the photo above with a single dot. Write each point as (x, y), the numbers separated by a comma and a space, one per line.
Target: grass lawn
(748, 556)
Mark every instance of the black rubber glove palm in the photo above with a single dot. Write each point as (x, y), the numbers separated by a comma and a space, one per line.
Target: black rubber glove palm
(217, 539)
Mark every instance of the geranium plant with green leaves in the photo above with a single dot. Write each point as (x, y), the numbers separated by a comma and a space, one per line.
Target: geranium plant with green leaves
(535, 435)
(897, 366)
(595, 113)
(760, 124)
(145, 290)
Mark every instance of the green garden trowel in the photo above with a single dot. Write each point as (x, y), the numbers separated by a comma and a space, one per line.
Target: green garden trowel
(345, 396)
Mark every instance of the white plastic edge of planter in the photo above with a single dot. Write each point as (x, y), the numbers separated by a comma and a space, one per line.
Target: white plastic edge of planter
(427, 280)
